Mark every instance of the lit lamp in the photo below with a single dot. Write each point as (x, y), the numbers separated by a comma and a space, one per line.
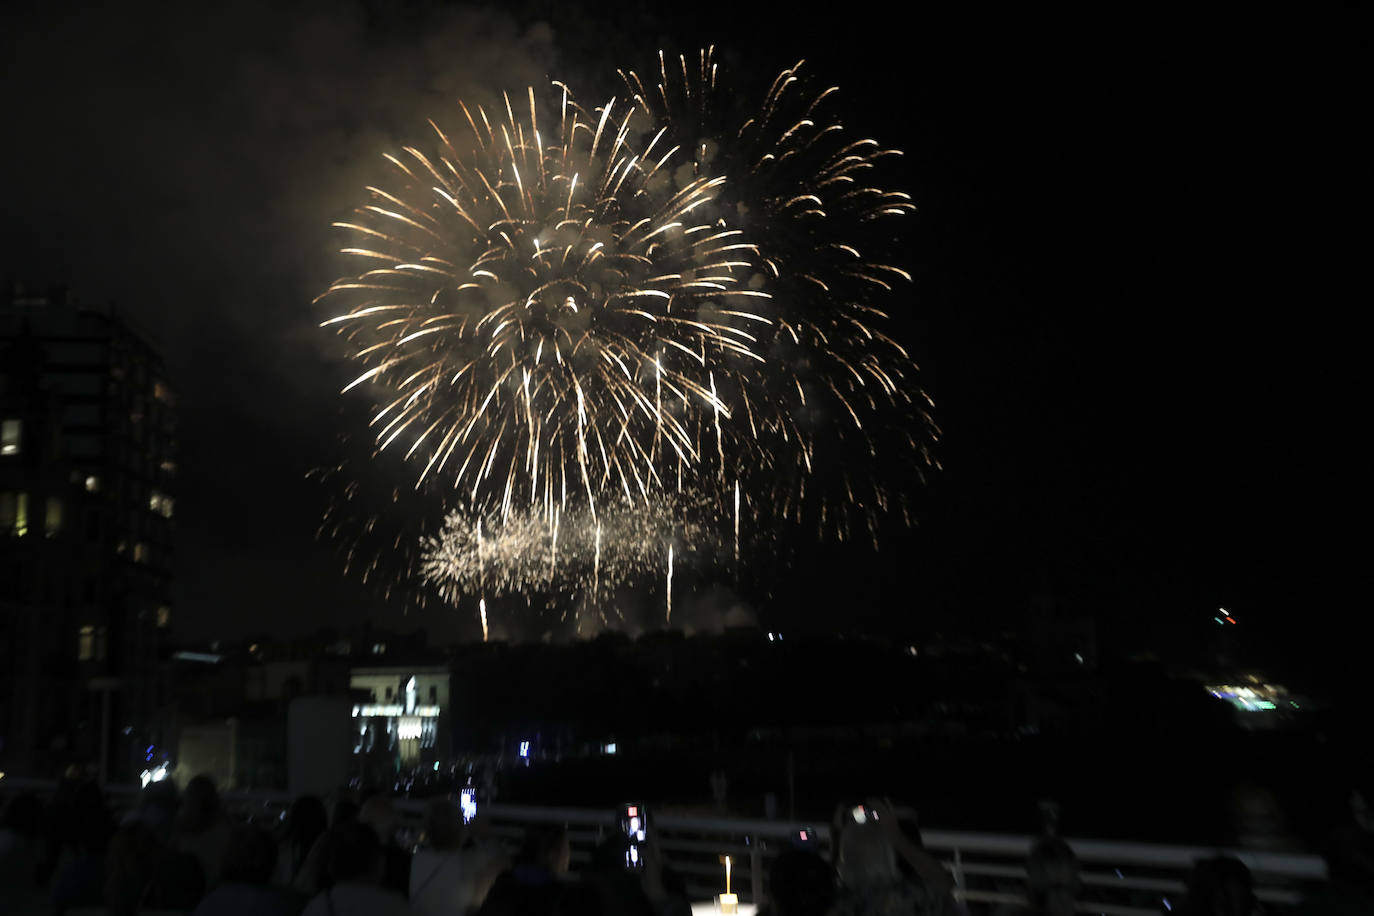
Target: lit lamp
(729, 903)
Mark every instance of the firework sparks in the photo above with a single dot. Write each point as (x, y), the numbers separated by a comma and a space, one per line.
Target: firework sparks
(585, 328)
(805, 190)
(490, 555)
(546, 320)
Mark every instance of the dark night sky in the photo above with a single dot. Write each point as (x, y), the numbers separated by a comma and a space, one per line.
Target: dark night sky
(1124, 305)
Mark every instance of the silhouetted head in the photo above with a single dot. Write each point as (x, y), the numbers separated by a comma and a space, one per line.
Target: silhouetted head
(547, 845)
(354, 853)
(866, 857)
(200, 806)
(80, 817)
(444, 824)
(801, 883)
(379, 814)
(250, 856)
(1220, 886)
(134, 851)
(1349, 854)
(158, 804)
(1052, 877)
(305, 820)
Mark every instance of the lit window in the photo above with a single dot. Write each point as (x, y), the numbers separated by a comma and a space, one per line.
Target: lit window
(379, 648)
(52, 516)
(162, 392)
(140, 552)
(9, 437)
(92, 483)
(164, 616)
(160, 503)
(14, 514)
(85, 644)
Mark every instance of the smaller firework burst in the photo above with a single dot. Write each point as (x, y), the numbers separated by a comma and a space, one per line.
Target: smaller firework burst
(575, 553)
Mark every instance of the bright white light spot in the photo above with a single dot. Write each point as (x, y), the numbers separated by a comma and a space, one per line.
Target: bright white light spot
(524, 748)
(156, 774)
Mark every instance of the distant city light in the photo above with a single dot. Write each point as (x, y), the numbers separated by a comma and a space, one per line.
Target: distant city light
(608, 748)
(1261, 697)
(524, 749)
(393, 709)
(156, 774)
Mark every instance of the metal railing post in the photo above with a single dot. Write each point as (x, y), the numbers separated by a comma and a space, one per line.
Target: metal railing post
(755, 871)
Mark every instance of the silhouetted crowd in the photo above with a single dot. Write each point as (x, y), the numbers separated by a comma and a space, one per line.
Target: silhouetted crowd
(183, 853)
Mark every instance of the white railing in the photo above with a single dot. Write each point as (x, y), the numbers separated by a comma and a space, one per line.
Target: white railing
(1119, 878)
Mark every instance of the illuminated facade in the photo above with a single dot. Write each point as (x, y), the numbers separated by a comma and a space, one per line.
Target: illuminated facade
(400, 715)
(87, 462)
